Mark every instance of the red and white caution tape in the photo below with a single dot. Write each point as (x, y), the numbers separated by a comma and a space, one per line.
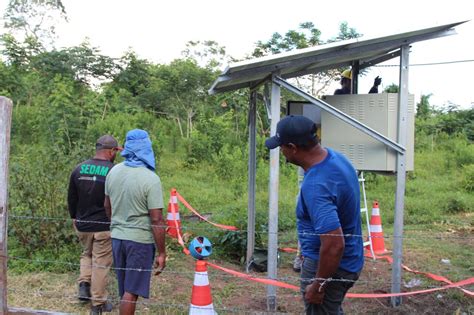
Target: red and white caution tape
(384, 295)
(428, 274)
(280, 284)
(187, 205)
(178, 230)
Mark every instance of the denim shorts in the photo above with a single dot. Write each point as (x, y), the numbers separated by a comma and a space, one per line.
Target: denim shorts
(334, 291)
(133, 263)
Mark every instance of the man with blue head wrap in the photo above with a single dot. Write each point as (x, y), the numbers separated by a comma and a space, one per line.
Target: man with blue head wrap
(134, 201)
(138, 150)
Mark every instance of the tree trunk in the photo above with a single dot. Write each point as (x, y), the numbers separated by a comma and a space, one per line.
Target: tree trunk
(105, 109)
(178, 121)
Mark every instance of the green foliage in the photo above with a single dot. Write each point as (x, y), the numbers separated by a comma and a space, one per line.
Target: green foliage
(63, 258)
(463, 153)
(39, 177)
(233, 245)
(82, 63)
(134, 76)
(34, 18)
(423, 109)
(208, 138)
(392, 88)
(18, 54)
(230, 163)
(456, 204)
(62, 114)
(345, 32)
(207, 53)
(467, 177)
(306, 36)
(452, 121)
(198, 148)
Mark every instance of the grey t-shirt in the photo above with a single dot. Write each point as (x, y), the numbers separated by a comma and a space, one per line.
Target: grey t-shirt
(133, 191)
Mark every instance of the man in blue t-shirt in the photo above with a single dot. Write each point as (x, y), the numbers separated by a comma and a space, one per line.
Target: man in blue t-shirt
(328, 216)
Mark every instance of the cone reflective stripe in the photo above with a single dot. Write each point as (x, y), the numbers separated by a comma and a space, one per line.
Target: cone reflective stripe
(201, 299)
(172, 219)
(376, 233)
(171, 215)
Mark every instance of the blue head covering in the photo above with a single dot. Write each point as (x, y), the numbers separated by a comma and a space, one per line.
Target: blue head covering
(137, 150)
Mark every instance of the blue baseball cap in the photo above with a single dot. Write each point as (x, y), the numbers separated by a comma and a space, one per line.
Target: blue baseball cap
(294, 129)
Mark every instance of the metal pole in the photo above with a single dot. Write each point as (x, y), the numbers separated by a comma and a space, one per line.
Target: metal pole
(355, 77)
(5, 127)
(251, 177)
(401, 177)
(273, 201)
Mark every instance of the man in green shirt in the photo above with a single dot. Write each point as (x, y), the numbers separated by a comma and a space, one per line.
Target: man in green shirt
(134, 201)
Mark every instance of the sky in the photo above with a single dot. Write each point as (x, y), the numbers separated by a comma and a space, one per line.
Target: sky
(159, 30)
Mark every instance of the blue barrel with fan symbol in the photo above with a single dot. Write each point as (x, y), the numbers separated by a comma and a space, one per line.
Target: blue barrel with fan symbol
(200, 247)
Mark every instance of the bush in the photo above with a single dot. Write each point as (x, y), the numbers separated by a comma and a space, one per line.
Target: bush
(198, 149)
(233, 244)
(230, 163)
(39, 180)
(467, 177)
(456, 204)
(463, 153)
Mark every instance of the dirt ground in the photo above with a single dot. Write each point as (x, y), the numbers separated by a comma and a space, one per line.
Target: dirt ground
(171, 292)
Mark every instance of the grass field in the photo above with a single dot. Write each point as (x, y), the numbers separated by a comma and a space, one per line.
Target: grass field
(171, 291)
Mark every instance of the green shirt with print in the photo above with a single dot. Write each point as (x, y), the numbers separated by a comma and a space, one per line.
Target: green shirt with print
(133, 191)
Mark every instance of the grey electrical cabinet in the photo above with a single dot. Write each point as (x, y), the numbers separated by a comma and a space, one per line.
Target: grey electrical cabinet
(377, 111)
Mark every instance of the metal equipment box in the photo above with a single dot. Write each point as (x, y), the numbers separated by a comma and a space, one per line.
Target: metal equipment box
(377, 111)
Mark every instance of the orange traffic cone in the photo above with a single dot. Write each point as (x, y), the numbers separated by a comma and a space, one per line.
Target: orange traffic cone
(376, 233)
(201, 299)
(172, 220)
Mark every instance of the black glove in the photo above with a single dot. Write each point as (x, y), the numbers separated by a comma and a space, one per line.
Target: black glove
(377, 81)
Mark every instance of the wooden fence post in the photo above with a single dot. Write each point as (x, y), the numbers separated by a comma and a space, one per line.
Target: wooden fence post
(5, 126)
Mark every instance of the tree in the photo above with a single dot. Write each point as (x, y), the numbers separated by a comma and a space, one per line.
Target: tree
(183, 93)
(134, 75)
(88, 65)
(392, 88)
(306, 36)
(345, 32)
(19, 54)
(423, 109)
(34, 19)
(208, 54)
(63, 115)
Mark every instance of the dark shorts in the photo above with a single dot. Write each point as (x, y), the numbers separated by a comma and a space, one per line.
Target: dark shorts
(334, 291)
(133, 263)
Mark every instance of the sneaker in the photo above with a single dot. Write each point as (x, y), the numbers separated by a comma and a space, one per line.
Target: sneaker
(84, 291)
(297, 263)
(103, 308)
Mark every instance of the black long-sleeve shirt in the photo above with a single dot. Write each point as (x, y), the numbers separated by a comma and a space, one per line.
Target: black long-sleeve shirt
(86, 195)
